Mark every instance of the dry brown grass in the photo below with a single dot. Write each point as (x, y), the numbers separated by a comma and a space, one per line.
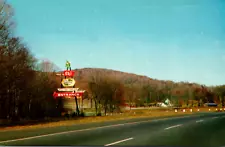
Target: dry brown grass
(113, 117)
(141, 113)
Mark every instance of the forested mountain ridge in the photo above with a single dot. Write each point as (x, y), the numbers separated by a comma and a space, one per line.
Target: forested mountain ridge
(144, 87)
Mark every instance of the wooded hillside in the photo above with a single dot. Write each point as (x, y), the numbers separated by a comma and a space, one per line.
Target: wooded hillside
(142, 89)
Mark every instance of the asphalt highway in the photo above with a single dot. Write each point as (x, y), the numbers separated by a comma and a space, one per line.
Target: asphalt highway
(198, 130)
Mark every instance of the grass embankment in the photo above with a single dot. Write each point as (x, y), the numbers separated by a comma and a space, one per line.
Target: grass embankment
(129, 114)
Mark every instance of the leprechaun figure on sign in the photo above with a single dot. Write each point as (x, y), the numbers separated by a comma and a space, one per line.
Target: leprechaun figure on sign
(68, 65)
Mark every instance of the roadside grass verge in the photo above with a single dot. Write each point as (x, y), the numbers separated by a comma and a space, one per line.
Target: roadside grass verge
(130, 114)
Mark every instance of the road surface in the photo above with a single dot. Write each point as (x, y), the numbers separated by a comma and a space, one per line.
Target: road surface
(197, 130)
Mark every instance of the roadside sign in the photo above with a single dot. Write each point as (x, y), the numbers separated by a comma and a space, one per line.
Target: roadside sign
(67, 94)
(68, 73)
(59, 74)
(80, 92)
(69, 82)
(68, 89)
(68, 66)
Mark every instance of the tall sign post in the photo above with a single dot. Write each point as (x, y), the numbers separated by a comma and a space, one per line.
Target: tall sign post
(68, 89)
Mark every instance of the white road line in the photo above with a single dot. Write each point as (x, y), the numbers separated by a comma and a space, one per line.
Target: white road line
(198, 121)
(119, 141)
(89, 129)
(173, 127)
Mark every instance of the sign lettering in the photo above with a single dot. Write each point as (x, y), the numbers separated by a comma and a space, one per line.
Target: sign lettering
(67, 94)
(68, 73)
(68, 89)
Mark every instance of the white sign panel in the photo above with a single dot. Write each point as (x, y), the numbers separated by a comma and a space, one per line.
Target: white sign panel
(68, 89)
(68, 82)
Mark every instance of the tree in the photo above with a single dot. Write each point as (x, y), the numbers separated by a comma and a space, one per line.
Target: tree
(106, 92)
(200, 103)
(117, 97)
(221, 101)
(24, 92)
(15, 62)
(220, 94)
(224, 101)
(85, 96)
(146, 93)
(97, 87)
(131, 94)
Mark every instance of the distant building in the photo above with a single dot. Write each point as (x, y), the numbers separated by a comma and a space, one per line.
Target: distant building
(161, 104)
(168, 102)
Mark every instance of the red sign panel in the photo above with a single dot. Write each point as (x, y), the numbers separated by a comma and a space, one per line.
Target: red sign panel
(68, 73)
(65, 94)
(79, 93)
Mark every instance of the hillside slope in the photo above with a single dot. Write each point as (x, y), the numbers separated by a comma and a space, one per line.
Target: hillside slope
(144, 87)
(83, 76)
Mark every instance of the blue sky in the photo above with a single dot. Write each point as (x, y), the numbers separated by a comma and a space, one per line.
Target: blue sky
(179, 40)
